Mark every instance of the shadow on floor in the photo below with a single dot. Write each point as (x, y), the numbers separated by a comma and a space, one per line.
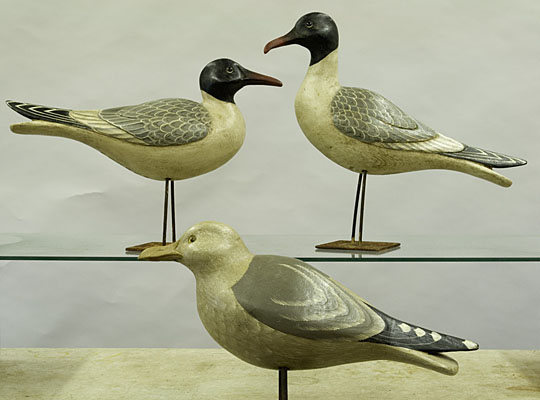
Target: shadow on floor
(529, 369)
(42, 377)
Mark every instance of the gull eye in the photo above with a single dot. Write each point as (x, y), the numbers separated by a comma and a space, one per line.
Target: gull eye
(309, 24)
(229, 70)
(192, 238)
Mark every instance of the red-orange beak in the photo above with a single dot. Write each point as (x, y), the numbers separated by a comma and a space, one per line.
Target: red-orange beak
(254, 78)
(289, 38)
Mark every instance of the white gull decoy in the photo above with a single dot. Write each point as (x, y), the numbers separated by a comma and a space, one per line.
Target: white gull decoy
(366, 133)
(166, 139)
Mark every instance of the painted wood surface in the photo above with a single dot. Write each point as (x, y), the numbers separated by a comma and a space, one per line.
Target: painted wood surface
(273, 311)
(162, 139)
(360, 129)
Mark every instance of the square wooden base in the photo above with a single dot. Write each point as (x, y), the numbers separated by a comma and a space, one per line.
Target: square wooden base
(363, 246)
(139, 248)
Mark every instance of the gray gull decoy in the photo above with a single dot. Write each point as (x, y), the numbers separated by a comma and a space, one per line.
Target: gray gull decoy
(280, 313)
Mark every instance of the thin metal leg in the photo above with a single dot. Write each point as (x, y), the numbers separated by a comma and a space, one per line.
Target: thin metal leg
(165, 207)
(355, 212)
(283, 389)
(362, 203)
(173, 212)
(360, 244)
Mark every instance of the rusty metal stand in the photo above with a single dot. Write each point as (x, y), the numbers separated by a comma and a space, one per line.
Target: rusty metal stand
(165, 209)
(169, 183)
(173, 212)
(283, 386)
(355, 212)
(353, 244)
(362, 204)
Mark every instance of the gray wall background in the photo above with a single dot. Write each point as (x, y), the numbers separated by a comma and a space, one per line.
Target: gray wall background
(469, 69)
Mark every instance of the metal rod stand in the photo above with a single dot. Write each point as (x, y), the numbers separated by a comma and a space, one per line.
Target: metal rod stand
(362, 204)
(165, 209)
(283, 387)
(355, 212)
(141, 247)
(173, 212)
(360, 244)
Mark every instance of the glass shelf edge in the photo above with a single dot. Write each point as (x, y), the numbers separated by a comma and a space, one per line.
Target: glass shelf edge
(305, 259)
(421, 249)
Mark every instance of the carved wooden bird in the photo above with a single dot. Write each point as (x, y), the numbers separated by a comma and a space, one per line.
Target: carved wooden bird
(280, 313)
(166, 139)
(362, 130)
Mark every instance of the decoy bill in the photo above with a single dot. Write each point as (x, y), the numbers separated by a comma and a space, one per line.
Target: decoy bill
(280, 313)
(166, 139)
(366, 133)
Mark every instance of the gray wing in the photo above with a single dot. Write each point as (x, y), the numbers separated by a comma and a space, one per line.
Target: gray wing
(371, 118)
(295, 298)
(488, 158)
(162, 122)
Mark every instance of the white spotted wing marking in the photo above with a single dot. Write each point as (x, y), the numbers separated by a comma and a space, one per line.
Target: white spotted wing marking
(404, 327)
(419, 332)
(470, 344)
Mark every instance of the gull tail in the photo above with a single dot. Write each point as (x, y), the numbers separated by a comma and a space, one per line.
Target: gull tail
(419, 346)
(37, 112)
(435, 362)
(488, 158)
(480, 163)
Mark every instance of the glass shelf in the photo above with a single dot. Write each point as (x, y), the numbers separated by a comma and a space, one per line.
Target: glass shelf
(413, 248)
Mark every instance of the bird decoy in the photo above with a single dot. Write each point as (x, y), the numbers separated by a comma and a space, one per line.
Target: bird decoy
(280, 313)
(366, 133)
(167, 139)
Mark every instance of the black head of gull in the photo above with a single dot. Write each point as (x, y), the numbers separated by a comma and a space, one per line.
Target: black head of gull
(222, 78)
(315, 31)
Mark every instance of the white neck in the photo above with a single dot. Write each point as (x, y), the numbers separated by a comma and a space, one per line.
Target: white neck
(312, 103)
(325, 71)
(225, 116)
(210, 101)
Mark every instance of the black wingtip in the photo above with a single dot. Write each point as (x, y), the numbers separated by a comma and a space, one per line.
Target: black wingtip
(12, 104)
(520, 162)
(401, 334)
(37, 112)
(488, 158)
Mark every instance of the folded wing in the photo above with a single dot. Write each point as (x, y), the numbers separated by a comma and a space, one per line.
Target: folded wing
(163, 122)
(295, 298)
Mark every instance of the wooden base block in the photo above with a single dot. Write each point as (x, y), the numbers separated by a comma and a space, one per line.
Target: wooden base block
(363, 246)
(139, 248)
